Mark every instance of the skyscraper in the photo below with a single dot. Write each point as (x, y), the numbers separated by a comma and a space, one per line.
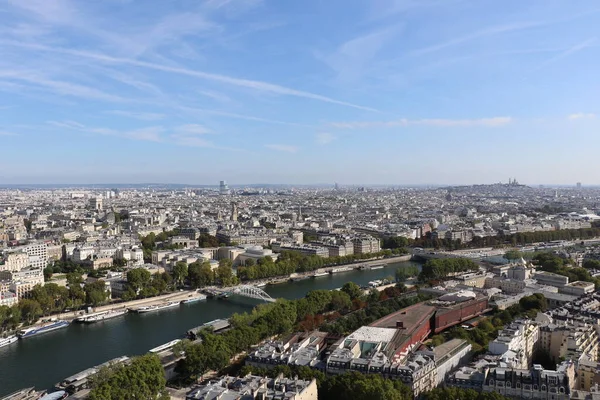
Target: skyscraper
(578, 185)
(223, 188)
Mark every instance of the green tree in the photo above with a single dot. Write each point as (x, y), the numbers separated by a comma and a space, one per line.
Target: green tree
(138, 278)
(95, 293)
(143, 378)
(180, 272)
(30, 310)
(200, 274)
(352, 290)
(224, 272)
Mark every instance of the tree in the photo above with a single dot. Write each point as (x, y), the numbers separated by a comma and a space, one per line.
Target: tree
(357, 386)
(95, 293)
(353, 290)
(48, 271)
(30, 310)
(142, 379)
(200, 274)
(138, 278)
(180, 272)
(224, 272)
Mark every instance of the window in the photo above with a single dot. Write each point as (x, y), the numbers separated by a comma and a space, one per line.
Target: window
(543, 388)
(491, 382)
(561, 389)
(534, 387)
(507, 384)
(518, 385)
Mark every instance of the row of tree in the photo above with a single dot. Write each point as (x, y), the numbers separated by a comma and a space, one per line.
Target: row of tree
(293, 261)
(142, 378)
(51, 298)
(216, 351)
(499, 240)
(438, 268)
(551, 262)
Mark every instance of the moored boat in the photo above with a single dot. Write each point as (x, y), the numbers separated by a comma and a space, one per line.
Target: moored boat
(194, 299)
(8, 340)
(318, 274)
(101, 316)
(165, 346)
(155, 307)
(44, 328)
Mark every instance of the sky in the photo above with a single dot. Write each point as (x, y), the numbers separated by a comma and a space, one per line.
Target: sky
(299, 92)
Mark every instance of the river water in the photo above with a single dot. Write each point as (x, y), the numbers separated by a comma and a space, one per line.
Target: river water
(45, 360)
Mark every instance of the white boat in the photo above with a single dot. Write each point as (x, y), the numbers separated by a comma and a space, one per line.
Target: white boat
(318, 274)
(340, 269)
(44, 328)
(194, 299)
(165, 346)
(156, 307)
(101, 316)
(8, 340)
(377, 267)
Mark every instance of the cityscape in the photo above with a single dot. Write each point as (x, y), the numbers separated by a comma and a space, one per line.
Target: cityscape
(234, 291)
(299, 200)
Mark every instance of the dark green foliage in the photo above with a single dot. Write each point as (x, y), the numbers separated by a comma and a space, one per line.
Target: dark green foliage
(206, 240)
(442, 267)
(550, 262)
(293, 261)
(453, 393)
(407, 272)
(142, 379)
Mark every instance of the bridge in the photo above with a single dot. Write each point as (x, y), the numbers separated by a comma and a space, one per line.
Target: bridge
(248, 291)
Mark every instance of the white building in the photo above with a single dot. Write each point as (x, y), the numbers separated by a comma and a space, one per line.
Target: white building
(15, 262)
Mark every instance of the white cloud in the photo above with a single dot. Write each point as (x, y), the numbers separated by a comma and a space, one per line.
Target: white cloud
(192, 129)
(444, 123)
(581, 116)
(145, 116)
(282, 148)
(151, 134)
(574, 49)
(190, 141)
(325, 137)
(259, 86)
(7, 133)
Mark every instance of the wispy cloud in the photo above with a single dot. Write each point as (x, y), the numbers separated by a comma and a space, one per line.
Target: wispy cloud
(259, 86)
(7, 133)
(144, 116)
(353, 56)
(581, 116)
(282, 148)
(60, 87)
(192, 129)
(195, 110)
(493, 31)
(151, 134)
(441, 123)
(325, 137)
(576, 48)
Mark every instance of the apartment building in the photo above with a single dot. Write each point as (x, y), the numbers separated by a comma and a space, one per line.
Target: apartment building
(15, 262)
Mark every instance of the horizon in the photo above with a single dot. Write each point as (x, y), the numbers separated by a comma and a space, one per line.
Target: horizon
(451, 91)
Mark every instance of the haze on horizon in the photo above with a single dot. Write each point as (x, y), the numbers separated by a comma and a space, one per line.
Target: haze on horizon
(381, 92)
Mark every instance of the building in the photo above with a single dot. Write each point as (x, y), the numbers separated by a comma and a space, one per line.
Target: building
(448, 356)
(366, 245)
(551, 279)
(15, 262)
(190, 233)
(535, 383)
(96, 203)
(82, 253)
(577, 288)
(306, 249)
(521, 338)
(8, 299)
(588, 373)
(255, 387)
(223, 188)
(234, 211)
(298, 349)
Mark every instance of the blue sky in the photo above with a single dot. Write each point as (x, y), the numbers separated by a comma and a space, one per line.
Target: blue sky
(312, 91)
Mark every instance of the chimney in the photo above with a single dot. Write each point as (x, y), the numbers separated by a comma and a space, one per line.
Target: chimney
(400, 324)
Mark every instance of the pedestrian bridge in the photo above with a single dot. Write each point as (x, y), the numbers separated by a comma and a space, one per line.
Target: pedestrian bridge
(248, 291)
(252, 292)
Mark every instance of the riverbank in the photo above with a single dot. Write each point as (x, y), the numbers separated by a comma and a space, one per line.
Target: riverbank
(33, 362)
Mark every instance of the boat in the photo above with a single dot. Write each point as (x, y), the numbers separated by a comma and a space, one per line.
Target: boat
(261, 284)
(165, 346)
(55, 395)
(340, 269)
(8, 340)
(156, 307)
(377, 267)
(101, 316)
(216, 325)
(299, 278)
(318, 274)
(79, 381)
(195, 299)
(44, 328)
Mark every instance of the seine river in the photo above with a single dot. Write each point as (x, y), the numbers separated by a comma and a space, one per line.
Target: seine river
(45, 360)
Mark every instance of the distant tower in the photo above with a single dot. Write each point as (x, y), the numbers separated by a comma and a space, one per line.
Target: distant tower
(337, 187)
(578, 185)
(234, 211)
(300, 213)
(223, 188)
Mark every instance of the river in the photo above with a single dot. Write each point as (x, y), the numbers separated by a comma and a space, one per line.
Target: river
(45, 360)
